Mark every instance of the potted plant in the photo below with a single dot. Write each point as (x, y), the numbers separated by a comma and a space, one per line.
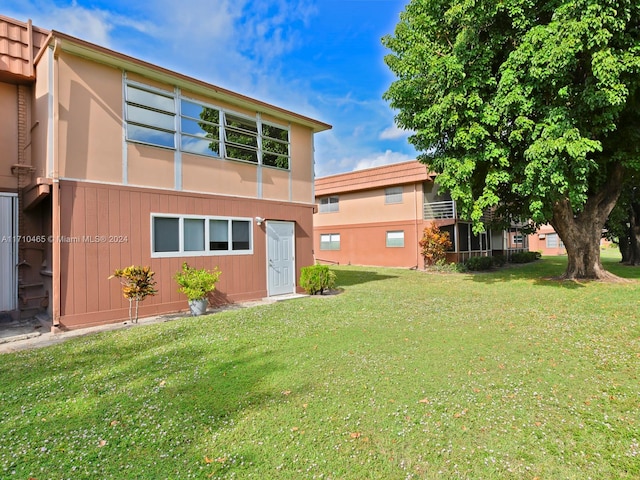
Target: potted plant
(196, 284)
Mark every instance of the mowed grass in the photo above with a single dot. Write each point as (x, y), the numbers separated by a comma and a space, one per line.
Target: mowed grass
(404, 374)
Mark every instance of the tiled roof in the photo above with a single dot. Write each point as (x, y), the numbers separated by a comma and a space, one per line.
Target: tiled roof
(19, 44)
(386, 176)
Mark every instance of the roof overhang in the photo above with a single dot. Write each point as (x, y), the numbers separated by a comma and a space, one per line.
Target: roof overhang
(80, 48)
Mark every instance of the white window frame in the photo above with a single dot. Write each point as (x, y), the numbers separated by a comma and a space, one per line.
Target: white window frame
(333, 242)
(393, 195)
(393, 238)
(207, 247)
(555, 242)
(329, 204)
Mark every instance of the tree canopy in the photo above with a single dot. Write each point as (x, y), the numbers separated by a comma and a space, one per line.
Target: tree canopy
(530, 107)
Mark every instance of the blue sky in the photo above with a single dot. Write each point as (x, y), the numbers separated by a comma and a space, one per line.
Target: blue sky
(320, 58)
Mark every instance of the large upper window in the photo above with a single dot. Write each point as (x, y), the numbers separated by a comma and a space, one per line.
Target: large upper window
(329, 204)
(173, 236)
(154, 117)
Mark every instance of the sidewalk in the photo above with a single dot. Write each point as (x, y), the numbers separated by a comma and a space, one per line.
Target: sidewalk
(36, 332)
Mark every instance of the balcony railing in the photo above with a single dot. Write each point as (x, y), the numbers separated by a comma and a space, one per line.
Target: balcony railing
(439, 210)
(447, 210)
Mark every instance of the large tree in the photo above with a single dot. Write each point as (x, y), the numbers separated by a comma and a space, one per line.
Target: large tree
(527, 106)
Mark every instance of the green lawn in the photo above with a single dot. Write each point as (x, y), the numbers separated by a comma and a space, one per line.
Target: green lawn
(402, 375)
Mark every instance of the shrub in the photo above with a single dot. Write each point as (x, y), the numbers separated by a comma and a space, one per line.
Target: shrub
(479, 263)
(316, 279)
(197, 283)
(525, 257)
(434, 244)
(137, 284)
(498, 260)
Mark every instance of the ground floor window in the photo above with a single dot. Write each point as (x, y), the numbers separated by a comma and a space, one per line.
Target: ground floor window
(553, 241)
(330, 241)
(395, 238)
(190, 235)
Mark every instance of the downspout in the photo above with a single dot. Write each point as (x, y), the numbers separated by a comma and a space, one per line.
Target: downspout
(52, 161)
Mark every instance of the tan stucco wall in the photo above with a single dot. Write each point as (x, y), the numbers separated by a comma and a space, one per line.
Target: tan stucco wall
(302, 164)
(90, 128)
(8, 135)
(39, 132)
(150, 166)
(369, 207)
(213, 175)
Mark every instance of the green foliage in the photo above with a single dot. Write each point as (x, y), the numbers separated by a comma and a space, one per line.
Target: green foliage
(434, 244)
(316, 279)
(522, 106)
(137, 284)
(525, 257)
(479, 263)
(196, 283)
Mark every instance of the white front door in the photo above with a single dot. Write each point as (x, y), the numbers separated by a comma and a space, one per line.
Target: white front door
(280, 257)
(8, 252)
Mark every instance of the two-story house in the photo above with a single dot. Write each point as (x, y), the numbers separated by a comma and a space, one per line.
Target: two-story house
(377, 217)
(108, 161)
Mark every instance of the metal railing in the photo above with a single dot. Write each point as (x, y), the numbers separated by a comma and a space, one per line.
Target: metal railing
(439, 210)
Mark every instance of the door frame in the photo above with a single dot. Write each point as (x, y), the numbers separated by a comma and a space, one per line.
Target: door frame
(12, 273)
(293, 256)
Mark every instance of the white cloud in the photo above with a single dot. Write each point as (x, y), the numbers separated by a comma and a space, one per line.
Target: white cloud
(394, 133)
(353, 163)
(379, 159)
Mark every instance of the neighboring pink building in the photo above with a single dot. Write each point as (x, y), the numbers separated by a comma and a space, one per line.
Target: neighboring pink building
(377, 217)
(109, 161)
(546, 241)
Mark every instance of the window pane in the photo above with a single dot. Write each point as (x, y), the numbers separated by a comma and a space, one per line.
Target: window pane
(330, 241)
(272, 131)
(395, 239)
(200, 146)
(393, 195)
(166, 234)
(242, 153)
(193, 110)
(218, 235)
(271, 160)
(200, 129)
(239, 123)
(149, 99)
(149, 135)
(193, 235)
(150, 117)
(329, 204)
(240, 235)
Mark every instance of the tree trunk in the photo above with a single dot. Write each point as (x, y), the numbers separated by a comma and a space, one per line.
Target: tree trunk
(581, 233)
(633, 255)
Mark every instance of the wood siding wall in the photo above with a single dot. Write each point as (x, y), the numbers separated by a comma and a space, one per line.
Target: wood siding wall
(88, 297)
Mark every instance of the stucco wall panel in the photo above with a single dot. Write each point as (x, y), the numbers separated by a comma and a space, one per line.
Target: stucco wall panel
(275, 184)
(212, 175)
(302, 164)
(90, 127)
(8, 135)
(365, 244)
(150, 166)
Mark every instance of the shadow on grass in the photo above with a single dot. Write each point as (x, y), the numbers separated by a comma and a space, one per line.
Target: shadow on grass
(345, 278)
(159, 392)
(547, 271)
